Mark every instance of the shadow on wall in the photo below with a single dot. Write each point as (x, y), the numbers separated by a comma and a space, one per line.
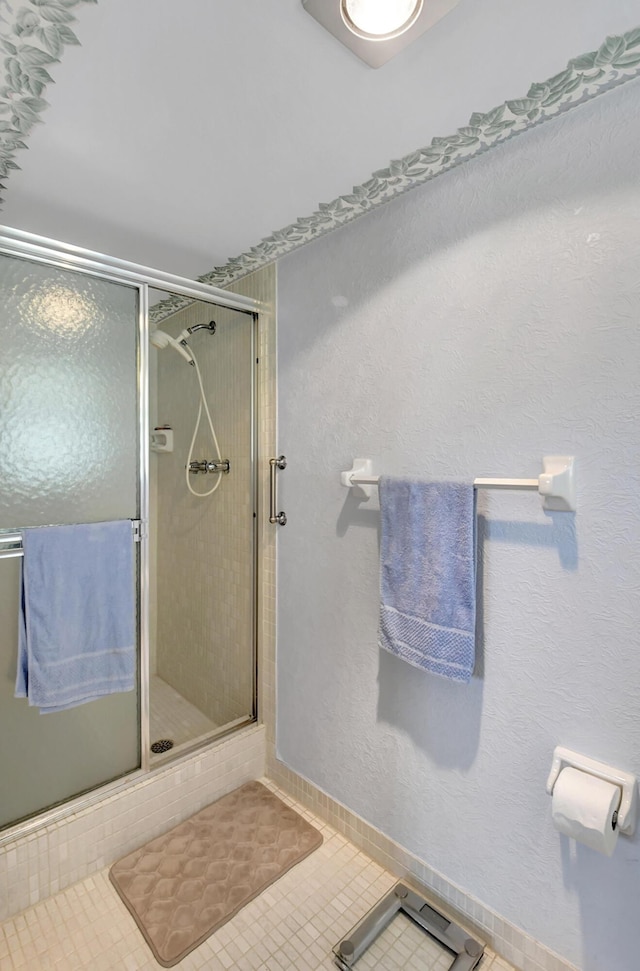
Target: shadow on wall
(430, 709)
(432, 718)
(560, 532)
(430, 713)
(357, 512)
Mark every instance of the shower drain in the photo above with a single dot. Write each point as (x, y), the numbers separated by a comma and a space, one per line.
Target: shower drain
(163, 745)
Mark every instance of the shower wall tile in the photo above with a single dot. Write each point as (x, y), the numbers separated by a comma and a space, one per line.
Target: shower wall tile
(204, 545)
(204, 579)
(261, 285)
(55, 856)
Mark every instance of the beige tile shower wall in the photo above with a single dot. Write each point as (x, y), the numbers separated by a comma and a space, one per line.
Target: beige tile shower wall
(262, 286)
(205, 545)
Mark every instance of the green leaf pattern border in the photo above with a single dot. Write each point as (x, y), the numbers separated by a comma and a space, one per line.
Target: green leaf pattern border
(32, 39)
(616, 61)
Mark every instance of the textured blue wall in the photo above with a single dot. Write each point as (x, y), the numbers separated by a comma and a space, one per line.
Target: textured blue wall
(469, 328)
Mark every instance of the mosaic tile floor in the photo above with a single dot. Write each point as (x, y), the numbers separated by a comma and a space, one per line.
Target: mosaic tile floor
(172, 716)
(293, 925)
(403, 946)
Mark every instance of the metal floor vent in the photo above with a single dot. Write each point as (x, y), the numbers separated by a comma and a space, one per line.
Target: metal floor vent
(163, 745)
(466, 952)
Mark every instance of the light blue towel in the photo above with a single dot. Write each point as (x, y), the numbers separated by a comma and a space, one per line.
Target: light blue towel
(427, 575)
(77, 614)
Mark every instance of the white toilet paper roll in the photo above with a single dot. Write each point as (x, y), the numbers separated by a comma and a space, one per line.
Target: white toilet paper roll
(583, 807)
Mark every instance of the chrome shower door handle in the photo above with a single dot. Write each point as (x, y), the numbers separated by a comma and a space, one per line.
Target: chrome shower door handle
(276, 517)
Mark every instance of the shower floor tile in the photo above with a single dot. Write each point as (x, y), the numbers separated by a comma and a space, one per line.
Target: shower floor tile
(292, 925)
(172, 716)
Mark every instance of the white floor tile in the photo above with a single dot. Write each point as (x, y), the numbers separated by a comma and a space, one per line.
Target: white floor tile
(294, 924)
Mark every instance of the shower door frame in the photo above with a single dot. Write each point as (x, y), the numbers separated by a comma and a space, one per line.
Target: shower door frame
(41, 249)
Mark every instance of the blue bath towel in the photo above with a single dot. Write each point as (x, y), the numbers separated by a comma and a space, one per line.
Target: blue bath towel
(427, 575)
(76, 638)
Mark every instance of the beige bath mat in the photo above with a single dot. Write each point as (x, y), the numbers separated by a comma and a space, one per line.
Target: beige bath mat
(185, 884)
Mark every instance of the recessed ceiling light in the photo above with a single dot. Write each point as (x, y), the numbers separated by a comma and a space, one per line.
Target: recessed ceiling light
(380, 19)
(377, 30)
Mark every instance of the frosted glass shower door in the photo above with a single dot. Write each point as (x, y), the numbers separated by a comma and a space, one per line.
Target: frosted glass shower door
(68, 454)
(203, 547)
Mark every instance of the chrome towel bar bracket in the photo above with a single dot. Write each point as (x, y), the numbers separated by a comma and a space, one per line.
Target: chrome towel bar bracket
(10, 545)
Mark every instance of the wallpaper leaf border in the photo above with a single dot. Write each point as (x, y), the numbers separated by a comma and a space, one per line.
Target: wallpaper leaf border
(616, 61)
(32, 39)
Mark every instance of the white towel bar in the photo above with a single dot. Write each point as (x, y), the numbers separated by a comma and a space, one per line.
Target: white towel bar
(556, 484)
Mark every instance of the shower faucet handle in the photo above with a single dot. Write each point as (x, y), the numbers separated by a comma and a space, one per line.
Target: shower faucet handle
(205, 465)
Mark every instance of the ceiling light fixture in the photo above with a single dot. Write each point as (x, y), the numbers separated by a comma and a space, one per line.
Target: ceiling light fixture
(380, 19)
(377, 30)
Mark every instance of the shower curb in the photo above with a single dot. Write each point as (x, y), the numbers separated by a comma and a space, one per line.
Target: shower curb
(48, 859)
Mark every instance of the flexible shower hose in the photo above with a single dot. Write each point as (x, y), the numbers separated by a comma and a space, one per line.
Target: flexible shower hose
(203, 402)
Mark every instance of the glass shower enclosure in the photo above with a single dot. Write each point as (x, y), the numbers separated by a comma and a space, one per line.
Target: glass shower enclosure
(98, 426)
(202, 526)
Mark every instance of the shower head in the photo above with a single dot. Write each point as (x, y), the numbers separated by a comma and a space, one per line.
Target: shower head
(161, 340)
(188, 331)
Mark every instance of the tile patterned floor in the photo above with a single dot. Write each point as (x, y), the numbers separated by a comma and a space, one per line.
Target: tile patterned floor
(172, 716)
(403, 946)
(293, 925)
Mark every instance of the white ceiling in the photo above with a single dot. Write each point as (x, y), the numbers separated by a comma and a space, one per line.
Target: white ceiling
(181, 132)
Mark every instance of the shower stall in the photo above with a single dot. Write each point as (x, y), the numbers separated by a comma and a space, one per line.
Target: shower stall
(128, 394)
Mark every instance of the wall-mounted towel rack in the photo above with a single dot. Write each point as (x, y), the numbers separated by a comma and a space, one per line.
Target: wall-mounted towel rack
(10, 545)
(556, 484)
(11, 540)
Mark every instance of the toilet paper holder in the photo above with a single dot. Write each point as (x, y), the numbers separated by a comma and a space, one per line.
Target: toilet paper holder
(628, 808)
